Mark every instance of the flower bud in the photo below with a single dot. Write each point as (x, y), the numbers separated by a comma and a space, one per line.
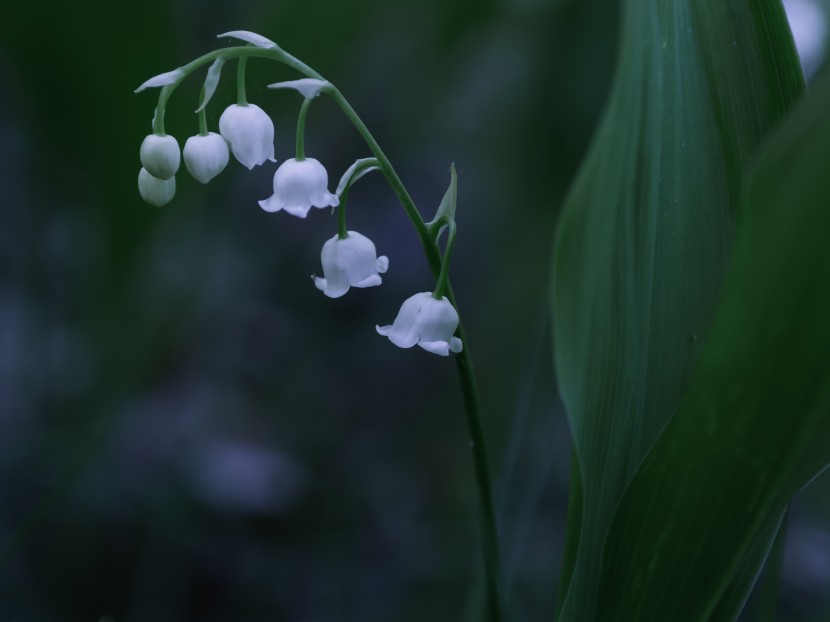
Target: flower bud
(205, 156)
(160, 155)
(155, 191)
(250, 133)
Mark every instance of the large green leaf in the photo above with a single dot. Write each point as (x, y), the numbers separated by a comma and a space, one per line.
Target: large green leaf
(754, 426)
(646, 235)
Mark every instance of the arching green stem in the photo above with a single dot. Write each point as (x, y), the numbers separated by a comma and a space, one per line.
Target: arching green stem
(203, 129)
(469, 390)
(301, 129)
(342, 230)
(158, 119)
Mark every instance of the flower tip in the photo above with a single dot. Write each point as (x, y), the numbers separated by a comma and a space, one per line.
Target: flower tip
(249, 37)
(269, 205)
(163, 79)
(307, 87)
(300, 211)
(383, 330)
(382, 264)
(442, 348)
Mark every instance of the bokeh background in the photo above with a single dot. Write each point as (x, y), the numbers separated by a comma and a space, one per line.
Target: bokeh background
(189, 430)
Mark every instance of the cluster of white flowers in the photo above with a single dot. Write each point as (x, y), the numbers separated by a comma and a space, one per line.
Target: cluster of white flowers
(349, 259)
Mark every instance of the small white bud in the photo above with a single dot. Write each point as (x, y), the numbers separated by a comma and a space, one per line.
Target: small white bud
(205, 156)
(160, 155)
(155, 191)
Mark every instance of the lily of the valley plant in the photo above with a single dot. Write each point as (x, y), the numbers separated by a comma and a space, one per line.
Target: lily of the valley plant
(349, 259)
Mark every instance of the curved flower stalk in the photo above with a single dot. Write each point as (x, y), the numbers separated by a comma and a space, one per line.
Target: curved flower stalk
(349, 262)
(349, 259)
(300, 185)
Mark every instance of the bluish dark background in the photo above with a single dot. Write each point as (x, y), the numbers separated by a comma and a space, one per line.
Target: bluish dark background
(189, 430)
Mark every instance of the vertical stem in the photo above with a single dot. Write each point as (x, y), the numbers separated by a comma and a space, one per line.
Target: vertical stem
(301, 129)
(441, 284)
(203, 131)
(343, 232)
(241, 98)
(158, 121)
(489, 529)
(464, 363)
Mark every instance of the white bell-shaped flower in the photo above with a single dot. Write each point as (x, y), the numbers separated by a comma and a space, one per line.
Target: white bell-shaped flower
(300, 185)
(250, 133)
(155, 191)
(205, 156)
(350, 262)
(426, 321)
(160, 155)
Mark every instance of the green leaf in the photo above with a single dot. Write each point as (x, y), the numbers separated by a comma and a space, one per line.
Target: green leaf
(447, 206)
(754, 426)
(732, 602)
(646, 235)
(211, 82)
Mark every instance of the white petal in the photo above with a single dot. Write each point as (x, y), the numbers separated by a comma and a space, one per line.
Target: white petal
(163, 79)
(324, 199)
(383, 330)
(456, 345)
(271, 204)
(370, 281)
(211, 81)
(405, 330)
(308, 87)
(249, 37)
(436, 347)
(336, 290)
(300, 211)
(382, 264)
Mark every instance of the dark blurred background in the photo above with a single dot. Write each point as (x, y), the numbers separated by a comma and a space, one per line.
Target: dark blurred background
(189, 430)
